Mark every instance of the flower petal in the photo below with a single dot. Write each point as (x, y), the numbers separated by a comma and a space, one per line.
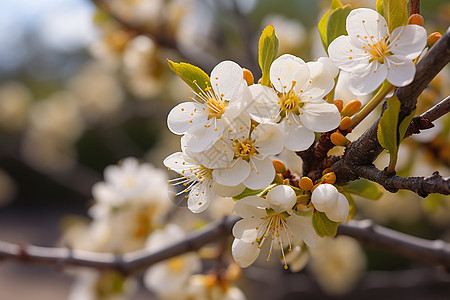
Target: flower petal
(262, 173)
(329, 66)
(324, 197)
(234, 174)
(302, 229)
(200, 197)
(265, 107)
(186, 116)
(180, 163)
(366, 24)
(298, 137)
(244, 254)
(269, 140)
(287, 69)
(364, 81)
(203, 137)
(251, 207)
(400, 70)
(408, 41)
(237, 128)
(282, 198)
(218, 156)
(319, 84)
(227, 79)
(228, 191)
(339, 213)
(320, 116)
(247, 229)
(347, 53)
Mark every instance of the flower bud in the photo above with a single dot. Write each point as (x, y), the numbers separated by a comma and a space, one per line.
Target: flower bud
(340, 212)
(433, 38)
(346, 122)
(324, 197)
(329, 178)
(327, 170)
(279, 166)
(305, 183)
(339, 104)
(416, 19)
(351, 108)
(248, 76)
(339, 139)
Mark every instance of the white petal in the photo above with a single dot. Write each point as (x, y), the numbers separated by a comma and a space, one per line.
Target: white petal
(400, 70)
(227, 79)
(251, 207)
(178, 162)
(265, 107)
(366, 24)
(286, 69)
(282, 198)
(186, 116)
(339, 213)
(320, 116)
(298, 137)
(302, 229)
(203, 137)
(329, 66)
(324, 197)
(228, 191)
(319, 84)
(408, 40)
(367, 80)
(218, 156)
(262, 173)
(237, 128)
(269, 140)
(104, 194)
(247, 229)
(347, 53)
(244, 253)
(200, 197)
(233, 175)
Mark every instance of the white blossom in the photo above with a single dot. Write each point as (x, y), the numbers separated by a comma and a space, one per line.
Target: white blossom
(326, 198)
(371, 54)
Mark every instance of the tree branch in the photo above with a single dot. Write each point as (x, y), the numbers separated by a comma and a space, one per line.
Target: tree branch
(423, 186)
(432, 252)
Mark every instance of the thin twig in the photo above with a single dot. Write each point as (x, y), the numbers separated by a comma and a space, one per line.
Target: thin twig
(432, 252)
(414, 7)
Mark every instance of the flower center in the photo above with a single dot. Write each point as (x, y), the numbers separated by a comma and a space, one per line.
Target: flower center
(216, 106)
(378, 51)
(289, 101)
(244, 149)
(176, 264)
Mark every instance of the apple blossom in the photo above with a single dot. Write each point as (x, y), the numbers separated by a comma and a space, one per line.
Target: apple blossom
(295, 103)
(371, 54)
(270, 218)
(203, 120)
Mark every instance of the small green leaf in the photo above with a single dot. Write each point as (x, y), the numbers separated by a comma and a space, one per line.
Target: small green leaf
(268, 48)
(336, 23)
(323, 23)
(248, 192)
(380, 7)
(387, 128)
(192, 75)
(364, 188)
(335, 4)
(395, 13)
(323, 225)
(404, 126)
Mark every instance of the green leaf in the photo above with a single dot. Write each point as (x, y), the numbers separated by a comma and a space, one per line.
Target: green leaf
(387, 127)
(268, 48)
(395, 13)
(323, 23)
(364, 188)
(380, 7)
(192, 75)
(323, 225)
(335, 4)
(336, 23)
(404, 126)
(248, 192)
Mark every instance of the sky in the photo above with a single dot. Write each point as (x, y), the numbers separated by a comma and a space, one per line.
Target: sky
(63, 25)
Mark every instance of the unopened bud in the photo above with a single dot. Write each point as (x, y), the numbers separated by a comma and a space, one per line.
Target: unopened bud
(286, 182)
(305, 183)
(339, 104)
(351, 108)
(329, 178)
(346, 122)
(327, 170)
(433, 38)
(279, 166)
(248, 76)
(339, 139)
(416, 19)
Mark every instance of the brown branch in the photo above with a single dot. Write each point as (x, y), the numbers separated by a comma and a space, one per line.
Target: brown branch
(414, 7)
(426, 251)
(423, 186)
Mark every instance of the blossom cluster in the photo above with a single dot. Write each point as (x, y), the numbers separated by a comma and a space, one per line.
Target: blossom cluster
(233, 128)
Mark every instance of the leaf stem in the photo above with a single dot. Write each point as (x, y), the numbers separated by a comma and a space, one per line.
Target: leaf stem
(370, 106)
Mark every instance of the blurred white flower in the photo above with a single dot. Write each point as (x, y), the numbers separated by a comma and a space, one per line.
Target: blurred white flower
(15, 102)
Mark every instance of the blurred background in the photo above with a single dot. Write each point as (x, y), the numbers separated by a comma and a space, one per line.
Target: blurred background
(84, 84)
